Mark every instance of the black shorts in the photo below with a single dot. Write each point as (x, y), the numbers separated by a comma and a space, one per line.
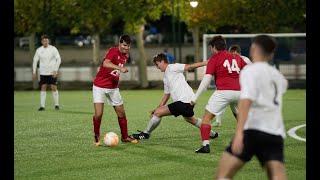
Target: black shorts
(179, 108)
(48, 79)
(265, 146)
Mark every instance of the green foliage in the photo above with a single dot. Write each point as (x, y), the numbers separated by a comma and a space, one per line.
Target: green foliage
(27, 16)
(254, 16)
(135, 13)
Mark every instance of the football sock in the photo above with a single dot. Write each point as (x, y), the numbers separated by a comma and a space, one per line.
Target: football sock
(43, 95)
(198, 124)
(218, 119)
(55, 96)
(205, 133)
(96, 126)
(153, 123)
(123, 126)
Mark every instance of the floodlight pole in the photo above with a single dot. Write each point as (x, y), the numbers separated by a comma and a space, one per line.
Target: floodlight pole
(179, 33)
(194, 4)
(173, 30)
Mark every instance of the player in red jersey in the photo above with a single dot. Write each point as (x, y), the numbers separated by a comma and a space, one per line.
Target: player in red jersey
(225, 68)
(105, 86)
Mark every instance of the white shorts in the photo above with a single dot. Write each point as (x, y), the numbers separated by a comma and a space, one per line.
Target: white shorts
(220, 99)
(113, 96)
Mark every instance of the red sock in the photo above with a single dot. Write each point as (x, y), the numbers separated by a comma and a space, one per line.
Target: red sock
(123, 126)
(205, 131)
(96, 126)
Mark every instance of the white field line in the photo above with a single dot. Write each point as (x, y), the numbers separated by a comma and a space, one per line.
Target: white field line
(292, 133)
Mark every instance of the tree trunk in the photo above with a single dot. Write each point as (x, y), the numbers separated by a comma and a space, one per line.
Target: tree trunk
(142, 65)
(95, 54)
(32, 50)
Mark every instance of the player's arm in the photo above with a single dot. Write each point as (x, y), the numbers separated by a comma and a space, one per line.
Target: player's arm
(244, 106)
(202, 87)
(56, 67)
(163, 102)
(36, 59)
(188, 67)
(108, 64)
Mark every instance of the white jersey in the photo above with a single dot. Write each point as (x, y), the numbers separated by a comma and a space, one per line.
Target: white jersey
(49, 60)
(246, 59)
(176, 85)
(265, 86)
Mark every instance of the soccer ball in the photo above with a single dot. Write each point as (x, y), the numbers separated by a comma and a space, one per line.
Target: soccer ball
(111, 139)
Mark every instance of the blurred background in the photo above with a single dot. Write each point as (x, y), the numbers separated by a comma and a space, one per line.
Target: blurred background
(84, 30)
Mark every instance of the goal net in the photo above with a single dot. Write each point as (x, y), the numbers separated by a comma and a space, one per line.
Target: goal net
(289, 57)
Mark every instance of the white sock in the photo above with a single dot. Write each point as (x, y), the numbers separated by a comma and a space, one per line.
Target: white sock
(198, 124)
(55, 95)
(205, 142)
(153, 123)
(218, 119)
(43, 95)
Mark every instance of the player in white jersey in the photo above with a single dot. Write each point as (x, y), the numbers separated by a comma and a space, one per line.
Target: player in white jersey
(236, 49)
(50, 60)
(176, 88)
(260, 130)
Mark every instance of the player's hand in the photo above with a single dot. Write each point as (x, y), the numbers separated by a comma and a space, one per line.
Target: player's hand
(237, 144)
(54, 74)
(152, 112)
(34, 77)
(193, 100)
(124, 69)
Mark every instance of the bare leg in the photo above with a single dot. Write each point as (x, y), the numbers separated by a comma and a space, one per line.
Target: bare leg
(275, 170)
(229, 165)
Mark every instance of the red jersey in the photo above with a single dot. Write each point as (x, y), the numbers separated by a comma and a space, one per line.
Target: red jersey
(225, 67)
(108, 77)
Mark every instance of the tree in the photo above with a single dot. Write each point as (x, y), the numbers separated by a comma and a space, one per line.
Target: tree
(135, 13)
(90, 17)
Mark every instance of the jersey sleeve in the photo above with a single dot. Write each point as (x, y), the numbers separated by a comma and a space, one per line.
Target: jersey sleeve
(109, 55)
(36, 59)
(248, 85)
(210, 66)
(165, 86)
(177, 67)
(58, 58)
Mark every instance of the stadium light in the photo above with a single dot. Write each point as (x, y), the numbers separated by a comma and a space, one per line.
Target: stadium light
(194, 3)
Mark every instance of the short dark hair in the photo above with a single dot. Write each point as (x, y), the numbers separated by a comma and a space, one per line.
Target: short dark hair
(235, 48)
(218, 42)
(159, 57)
(44, 37)
(125, 38)
(267, 43)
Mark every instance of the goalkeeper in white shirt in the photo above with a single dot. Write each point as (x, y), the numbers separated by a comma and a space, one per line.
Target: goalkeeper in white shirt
(260, 129)
(176, 88)
(50, 60)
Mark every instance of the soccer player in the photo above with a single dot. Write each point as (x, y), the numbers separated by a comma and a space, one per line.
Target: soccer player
(50, 60)
(260, 129)
(176, 88)
(237, 50)
(225, 68)
(105, 86)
